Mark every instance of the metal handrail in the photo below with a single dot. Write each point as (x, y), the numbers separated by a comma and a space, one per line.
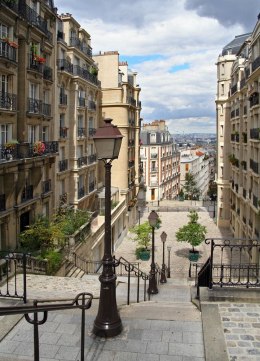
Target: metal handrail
(82, 301)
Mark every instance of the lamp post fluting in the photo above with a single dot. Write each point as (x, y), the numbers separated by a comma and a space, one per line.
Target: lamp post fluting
(152, 289)
(108, 322)
(169, 267)
(163, 273)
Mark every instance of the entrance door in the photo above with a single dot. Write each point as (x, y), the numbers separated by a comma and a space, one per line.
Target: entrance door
(152, 194)
(24, 221)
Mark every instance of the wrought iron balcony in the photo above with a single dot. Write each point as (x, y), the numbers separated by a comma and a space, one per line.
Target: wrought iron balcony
(61, 37)
(46, 109)
(91, 187)
(254, 99)
(92, 158)
(233, 89)
(47, 73)
(232, 114)
(34, 106)
(81, 192)
(82, 161)
(85, 74)
(27, 193)
(2, 202)
(63, 165)
(63, 99)
(46, 186)
(256, 63)
(79, 44)
(131, 101)
(65, 65)
(7, 51)
(81, 132)
(81, 102)
(63, 132)
(91, 132)
(254, 133)
(254, 166)
(34, 64)
(8, 101)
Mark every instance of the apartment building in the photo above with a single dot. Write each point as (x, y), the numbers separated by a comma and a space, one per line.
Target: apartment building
(197, 162)
(238, 124)
(77, 94)
(120, 101)
(160, 162)
(27, 102)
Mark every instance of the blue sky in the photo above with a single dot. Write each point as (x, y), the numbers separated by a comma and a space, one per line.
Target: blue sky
(173, 45)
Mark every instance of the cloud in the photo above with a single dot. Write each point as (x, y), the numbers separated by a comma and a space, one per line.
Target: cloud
(173, 46)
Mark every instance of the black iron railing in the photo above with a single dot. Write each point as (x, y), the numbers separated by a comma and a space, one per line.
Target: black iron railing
(63, 165)
(63, 99)
(47, 73)
(31, 313)
(46, 186)
(85, 74)
(91, 105)
(7, 51)
(8, 101)
(65, 65)
(82, 161)
(81, 132)
(92, 158)
(91, 187)
(231, 263)
(27, 193)
(2, 202)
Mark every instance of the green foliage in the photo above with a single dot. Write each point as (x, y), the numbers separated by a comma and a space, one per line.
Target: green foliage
(54, 259)
(142, 234)
(190, 187)
(193, 232)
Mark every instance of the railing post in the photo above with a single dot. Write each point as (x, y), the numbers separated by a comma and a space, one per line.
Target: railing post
(24, 279)
(138, 284)
(83, 316)
(128, 286)
(211, 264)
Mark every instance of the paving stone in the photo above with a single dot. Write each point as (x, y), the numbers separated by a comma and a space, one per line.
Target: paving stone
(159, 348)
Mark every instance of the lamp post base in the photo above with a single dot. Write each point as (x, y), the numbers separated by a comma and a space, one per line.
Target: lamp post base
(108, 322)
(152, 289)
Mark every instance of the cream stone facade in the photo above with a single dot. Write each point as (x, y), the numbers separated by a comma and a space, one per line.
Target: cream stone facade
(238, 125)
(27, 102)
(160, 162)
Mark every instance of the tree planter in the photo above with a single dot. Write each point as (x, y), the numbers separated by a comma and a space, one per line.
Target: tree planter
(144, 255)
(193, 256)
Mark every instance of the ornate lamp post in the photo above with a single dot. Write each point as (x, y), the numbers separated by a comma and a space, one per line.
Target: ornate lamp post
(163, 275)
(152, 289)
(107, 323)
(169, 269)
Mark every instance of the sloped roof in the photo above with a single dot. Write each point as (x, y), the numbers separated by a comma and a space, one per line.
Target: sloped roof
(234, 46)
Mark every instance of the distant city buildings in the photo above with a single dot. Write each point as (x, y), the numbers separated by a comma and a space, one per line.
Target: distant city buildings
(238, 132)
(160, 162)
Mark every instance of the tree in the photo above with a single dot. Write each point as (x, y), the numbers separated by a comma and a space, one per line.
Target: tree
(190, 187)
(193, 232)
(142, 234)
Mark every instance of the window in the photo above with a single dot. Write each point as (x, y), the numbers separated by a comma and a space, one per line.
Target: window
(33, 133)
(62, 120)
(6, 133)
(33, 91)
(45, 133)
(4, 84)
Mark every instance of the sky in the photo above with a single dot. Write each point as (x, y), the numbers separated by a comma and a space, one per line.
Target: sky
(173, 45)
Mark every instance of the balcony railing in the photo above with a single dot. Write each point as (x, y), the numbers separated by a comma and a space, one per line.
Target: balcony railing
(79, 44)
(34, 64)
(247, 72)
(46, 186)
(233, 89)
(63, 132)
(81, 132)
(2, 202)
(232, 114)
(63, 165)
(254, 133)
(85, 74)
(256, 63)
(63, 99)
(81, 192)
(65, 65)
(46, 109)
(255, 201)
(131, 101)
(82, 161)
(27, 193)
(81, 102)
(91, 187)
(242, 83)
(254, 99)
(91, 132)
(8, 101)
(34, 106)
(47, 73)
(7, 51)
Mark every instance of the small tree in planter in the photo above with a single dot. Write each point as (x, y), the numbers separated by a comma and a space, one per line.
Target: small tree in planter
(142, 237)
(193, 233)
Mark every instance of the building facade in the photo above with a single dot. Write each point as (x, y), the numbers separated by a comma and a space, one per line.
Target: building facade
(160, 162)
(238, 124)
(27, 102)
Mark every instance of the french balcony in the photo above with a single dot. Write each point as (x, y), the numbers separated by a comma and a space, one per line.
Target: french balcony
(81, 132)
(81, 102)
(79, 44)
(81, 161)
(63, 99)
(63, 165)
(131, 101)
(2, 203)
(34, 106)
(81, 192)
(92, 105)
(7, 52)
(27, 193)
(64, 65)
(254, 99)
(85, 74)
(8, 101)
(233, 89)
(47, 73)
(46, 186)
(34, 64)
(91, 132)
(91, 187)
(92, 158)
(254, 133)
(63, 132)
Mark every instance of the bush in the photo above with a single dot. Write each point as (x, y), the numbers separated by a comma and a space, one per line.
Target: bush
(54, 259)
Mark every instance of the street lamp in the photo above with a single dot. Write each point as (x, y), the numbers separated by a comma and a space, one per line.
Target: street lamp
(152, 289)
(107, 323)
(163, 276)
(169, 270)
(139, 212)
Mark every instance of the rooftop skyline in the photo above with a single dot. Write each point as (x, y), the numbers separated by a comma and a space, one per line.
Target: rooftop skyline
(173, 46)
